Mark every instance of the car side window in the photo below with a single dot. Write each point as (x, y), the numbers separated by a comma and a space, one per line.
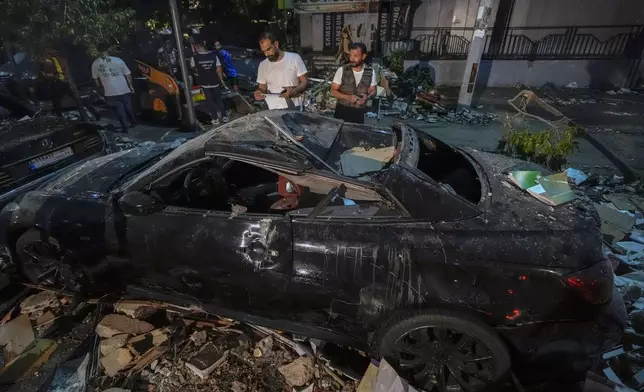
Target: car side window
(223, 184)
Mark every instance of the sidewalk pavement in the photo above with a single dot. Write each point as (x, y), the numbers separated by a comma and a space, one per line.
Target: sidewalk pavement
(614, 119)
(487, 137)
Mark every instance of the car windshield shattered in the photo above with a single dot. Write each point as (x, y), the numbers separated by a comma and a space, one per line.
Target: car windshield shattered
(351, 149)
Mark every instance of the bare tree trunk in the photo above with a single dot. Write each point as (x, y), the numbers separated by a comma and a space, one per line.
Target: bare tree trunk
(79, 102)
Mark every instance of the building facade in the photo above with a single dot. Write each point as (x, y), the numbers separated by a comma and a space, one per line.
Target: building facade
(532, 42)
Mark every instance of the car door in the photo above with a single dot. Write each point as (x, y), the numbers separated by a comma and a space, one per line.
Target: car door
(235, 261)
(352, 262)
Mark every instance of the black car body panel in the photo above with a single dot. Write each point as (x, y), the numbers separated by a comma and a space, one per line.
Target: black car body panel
(33, 151)
(402, 239)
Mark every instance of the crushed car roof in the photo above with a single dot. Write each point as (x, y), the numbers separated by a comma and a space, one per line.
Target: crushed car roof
(259, 134)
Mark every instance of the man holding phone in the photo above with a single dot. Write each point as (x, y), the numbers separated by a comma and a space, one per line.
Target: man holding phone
(353, 85)
(282, 77)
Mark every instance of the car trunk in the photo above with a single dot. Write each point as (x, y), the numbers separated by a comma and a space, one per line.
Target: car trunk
(33, 148)
(564, 236)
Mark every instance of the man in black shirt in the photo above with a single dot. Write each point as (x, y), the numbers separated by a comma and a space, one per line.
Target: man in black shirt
(209, 75)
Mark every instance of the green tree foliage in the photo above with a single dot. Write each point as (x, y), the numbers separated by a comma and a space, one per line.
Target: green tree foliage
(43, 24)
(549, 147)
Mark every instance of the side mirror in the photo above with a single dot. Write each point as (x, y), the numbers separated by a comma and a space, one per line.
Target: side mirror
(139, 204)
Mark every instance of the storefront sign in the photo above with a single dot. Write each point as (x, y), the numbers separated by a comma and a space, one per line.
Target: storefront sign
(319, 7)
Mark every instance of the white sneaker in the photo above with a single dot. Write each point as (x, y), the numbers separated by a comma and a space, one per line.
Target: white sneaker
(225, 120)
(215, 121)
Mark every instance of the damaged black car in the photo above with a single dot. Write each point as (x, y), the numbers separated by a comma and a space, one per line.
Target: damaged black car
(386, 240)
(32, 151)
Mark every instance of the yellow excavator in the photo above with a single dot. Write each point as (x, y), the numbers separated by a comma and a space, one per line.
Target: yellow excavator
(156, 76)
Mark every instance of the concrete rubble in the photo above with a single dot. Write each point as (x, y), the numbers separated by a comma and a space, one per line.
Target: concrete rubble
(620, 207)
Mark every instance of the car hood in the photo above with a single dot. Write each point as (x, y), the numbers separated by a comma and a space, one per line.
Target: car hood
(99, 175)
(509, 207)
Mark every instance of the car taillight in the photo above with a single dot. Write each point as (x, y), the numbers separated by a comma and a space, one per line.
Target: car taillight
(595, 283)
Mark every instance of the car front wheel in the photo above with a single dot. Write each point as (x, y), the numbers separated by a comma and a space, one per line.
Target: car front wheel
(443, 350)
(45, 262)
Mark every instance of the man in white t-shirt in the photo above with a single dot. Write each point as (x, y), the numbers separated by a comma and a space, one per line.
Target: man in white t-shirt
(282, 77)
(354, 85)
(111, 74)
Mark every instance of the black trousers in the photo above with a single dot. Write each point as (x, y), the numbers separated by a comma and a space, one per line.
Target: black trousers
(214, 102)
(122, 104)
(349, 114)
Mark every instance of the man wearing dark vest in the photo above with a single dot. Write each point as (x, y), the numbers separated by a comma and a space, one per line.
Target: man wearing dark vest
(209, 75)
(353, 85)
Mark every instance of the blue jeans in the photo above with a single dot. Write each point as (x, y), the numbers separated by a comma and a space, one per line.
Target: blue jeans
(123, 106)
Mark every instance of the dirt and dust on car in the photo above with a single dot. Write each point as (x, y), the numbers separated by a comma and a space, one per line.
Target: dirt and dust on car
(386, 241)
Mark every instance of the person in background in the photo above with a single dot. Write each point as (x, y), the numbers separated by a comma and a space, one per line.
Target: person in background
(114, 77)
(54, 72)
(229, 68)
(209, 74)
(169, 58)
(353, 85)
(282, 73)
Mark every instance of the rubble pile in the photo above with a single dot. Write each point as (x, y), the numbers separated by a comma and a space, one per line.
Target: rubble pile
(26, 329)
(620, 208)
(156, 347)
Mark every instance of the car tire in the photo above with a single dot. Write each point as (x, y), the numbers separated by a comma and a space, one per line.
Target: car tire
(437, 350)
(54, 269)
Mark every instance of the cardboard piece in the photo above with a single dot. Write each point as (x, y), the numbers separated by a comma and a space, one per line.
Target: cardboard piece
(16, 336)
(33, 358)
(358, 160)
(116, 361)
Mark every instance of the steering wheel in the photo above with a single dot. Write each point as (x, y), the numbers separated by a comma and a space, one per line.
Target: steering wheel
(198, 178)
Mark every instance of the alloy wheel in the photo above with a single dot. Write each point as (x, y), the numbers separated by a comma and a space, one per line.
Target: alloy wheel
(46, 263)
(441, 359)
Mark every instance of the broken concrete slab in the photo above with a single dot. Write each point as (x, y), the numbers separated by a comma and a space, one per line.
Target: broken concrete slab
(206, 360)
(622, 201)
(116, 361)
(263, 347)
(136, 309)
(110, 344)
(614, 224)
(299, 372)
(199, 338)
(16, 336)
(45, 320)
(33, 358)
(39, 302)
(115, 324)
(142, 343)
